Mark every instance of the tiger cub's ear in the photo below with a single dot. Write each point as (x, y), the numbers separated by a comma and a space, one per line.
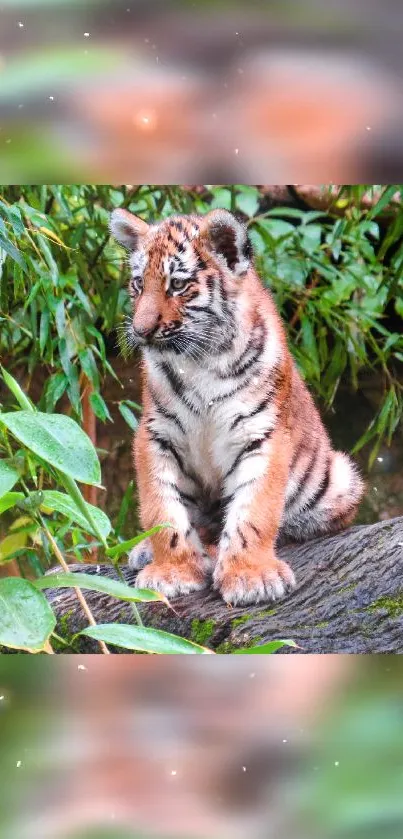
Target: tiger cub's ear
(127, 229)
(228, 238)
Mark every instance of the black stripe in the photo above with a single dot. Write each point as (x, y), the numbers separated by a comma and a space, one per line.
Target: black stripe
(174, 540)
(165, 413)
(184, 496)
(167, 446)
(321, 489)
(250, 448)
(230, 393)
(304, 480)
(177, 385)
(242, 538)
(258, 533)
(259, 408)
(207, 310)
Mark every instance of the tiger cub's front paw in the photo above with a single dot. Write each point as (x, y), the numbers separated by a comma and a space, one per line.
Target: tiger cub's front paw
(242, 582)
(173, 578)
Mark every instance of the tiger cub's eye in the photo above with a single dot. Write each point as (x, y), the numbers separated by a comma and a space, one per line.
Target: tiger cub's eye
(178, 284)
(136, 284)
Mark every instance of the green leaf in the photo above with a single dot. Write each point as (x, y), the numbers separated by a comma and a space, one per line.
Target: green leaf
(267, 649)
(114, 588)
(99, 407)
(62, 503)
(44, 329)
(125, 547)
(143, 639)
(54, 390)
(10, 499)
(26, 619)
(19, 394)
(247, 201)
(13, 252)
(8, 477)
(58, 440)
(128, 415)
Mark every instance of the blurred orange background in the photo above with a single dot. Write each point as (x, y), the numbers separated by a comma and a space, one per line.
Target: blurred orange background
(171, 91)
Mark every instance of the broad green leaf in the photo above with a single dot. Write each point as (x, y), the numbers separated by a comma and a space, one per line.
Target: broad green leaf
(26, 619)
(8, 477)
(115, 588)
(62, 503)
(58, 440)
(266, 649)
(10, 499)
(143, 639)
(125, 547)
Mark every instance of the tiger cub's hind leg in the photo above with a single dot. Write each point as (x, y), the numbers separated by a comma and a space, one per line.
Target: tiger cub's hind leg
(335, 503)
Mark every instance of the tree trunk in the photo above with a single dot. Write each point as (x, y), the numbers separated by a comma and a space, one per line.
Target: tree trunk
(349, 599)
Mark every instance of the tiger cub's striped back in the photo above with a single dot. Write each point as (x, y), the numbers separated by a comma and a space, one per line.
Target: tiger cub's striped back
(230, 449)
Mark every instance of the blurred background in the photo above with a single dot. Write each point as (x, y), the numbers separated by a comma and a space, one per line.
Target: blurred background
(122, 748)
(171, 90)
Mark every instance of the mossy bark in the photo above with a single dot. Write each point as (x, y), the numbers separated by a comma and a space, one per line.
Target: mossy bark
(349, 599)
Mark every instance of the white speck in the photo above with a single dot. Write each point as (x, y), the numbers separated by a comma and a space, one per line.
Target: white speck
(1, 698)
(380, 459)
(21, 25)
(236, 151)
(244, 769)
(375, 489)
(336, 763)
(8, 141)
(252, 675)
(157, 59)
(86, 34)
(19, 763)
(236, 33)
(211, 402)
(98, 569)
(368, 127)
(21, 105)
(400, 544)
(51, 98)
(181, 370)
(173, 771)
(146, 40)
(81, 667)
(285, 741)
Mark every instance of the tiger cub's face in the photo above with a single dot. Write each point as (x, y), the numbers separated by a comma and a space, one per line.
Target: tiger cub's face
(187, 273)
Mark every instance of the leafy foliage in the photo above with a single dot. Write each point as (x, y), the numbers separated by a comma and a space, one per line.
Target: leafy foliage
(337, 281)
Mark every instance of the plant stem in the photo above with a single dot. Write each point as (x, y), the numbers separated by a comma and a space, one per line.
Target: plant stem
(79, 594)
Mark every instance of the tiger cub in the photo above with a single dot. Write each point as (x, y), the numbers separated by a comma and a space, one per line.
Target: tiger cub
(230, 450)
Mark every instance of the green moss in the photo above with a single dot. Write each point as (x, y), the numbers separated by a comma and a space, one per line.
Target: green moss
(241, 620)
(322, 625)
(201, 631)
(266, 613)
(393, 605)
